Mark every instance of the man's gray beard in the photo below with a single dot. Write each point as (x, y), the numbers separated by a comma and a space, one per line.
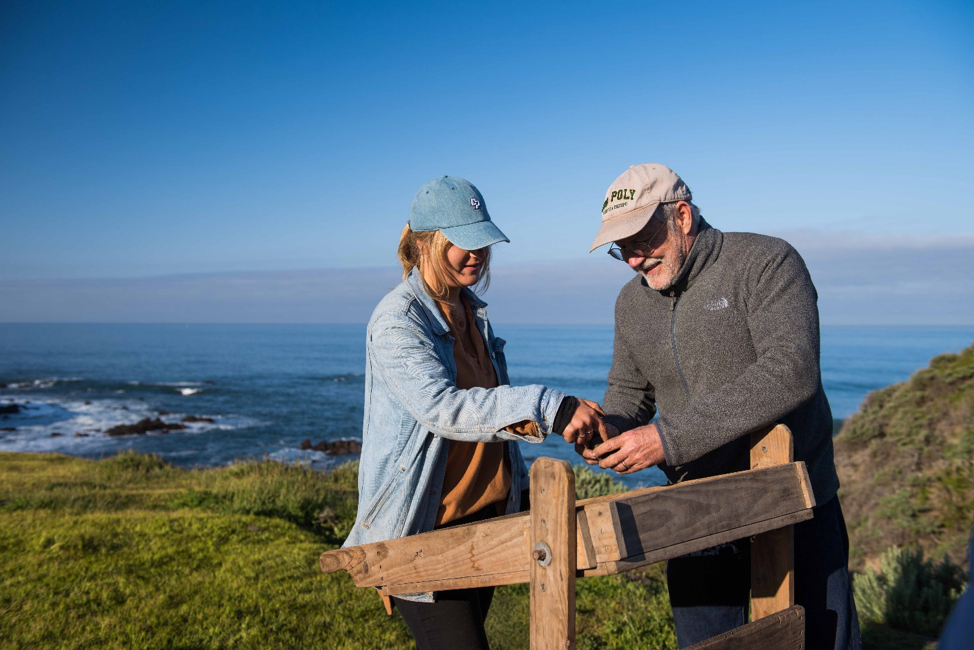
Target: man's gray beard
(681, 257)
(667, 267)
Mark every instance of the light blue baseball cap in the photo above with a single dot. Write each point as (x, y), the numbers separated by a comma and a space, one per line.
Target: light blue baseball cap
(457, 209)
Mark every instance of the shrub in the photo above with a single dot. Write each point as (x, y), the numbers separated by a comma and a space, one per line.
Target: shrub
(129, 462)
(908, 593)
(594, 484)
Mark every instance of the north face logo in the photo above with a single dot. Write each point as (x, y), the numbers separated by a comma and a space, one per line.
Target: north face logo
(717, 304)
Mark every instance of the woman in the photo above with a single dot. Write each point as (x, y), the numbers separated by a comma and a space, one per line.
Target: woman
(441, 421)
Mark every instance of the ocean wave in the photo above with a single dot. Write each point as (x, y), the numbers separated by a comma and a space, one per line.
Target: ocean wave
(186, 392)
(79, 426)
(309, 458)
(47, 382)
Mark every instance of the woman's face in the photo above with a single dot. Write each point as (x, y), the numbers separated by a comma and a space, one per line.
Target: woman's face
(463, 267)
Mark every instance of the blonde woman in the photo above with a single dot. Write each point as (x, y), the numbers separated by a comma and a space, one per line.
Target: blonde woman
(441, 420)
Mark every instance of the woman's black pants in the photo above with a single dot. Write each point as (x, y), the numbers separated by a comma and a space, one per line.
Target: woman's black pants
(456, 619)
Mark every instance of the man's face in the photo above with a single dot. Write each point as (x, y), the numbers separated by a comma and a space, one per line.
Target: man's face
(659, 257)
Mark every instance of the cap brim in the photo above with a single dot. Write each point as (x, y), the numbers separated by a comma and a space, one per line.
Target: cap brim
(474, 236)
(624, 226)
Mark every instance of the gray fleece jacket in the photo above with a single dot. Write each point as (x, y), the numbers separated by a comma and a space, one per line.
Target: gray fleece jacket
(733, 346)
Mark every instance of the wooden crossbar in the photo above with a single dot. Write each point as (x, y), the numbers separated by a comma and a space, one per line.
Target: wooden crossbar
(784, 630)
(613, 534)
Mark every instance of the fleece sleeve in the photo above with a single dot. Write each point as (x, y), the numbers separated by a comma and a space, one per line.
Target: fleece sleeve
(630, 400)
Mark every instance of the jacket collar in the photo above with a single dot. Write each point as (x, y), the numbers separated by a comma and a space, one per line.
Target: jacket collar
(440, 326)
(703, 253)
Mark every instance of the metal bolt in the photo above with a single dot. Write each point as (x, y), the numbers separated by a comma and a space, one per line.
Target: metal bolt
(542, 586)
(540, 555)
(764, 448)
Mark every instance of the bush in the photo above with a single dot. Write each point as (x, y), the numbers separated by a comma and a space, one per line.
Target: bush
(129, 462)
(594, 484)
(909, 594)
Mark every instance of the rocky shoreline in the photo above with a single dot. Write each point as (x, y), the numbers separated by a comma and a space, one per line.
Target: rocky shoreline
(158, 425)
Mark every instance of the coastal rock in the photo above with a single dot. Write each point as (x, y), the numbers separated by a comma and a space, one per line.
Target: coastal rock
(196, 418)
(78, 434)
(10, 409)
(143, 426)
(8, 428)
(305, 444)
(57, 434)
(339, 447)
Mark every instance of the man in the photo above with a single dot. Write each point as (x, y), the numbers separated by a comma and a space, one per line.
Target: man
(718, 333)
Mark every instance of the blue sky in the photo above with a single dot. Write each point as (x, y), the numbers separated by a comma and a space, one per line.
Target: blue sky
(147, 143)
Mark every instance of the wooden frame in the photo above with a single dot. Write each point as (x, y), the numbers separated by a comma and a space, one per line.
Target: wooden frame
(561, 540)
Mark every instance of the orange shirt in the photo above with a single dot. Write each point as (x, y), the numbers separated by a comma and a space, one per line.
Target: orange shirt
(477, 473)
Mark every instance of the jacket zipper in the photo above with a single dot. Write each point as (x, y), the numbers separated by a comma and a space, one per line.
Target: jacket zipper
(676, 352)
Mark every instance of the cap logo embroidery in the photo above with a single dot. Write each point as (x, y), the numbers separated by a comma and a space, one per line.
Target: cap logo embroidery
(475, 203)
(622, 195)
(717, 304)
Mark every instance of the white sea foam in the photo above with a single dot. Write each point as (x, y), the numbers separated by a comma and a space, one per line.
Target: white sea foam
(189, 391)
(90, 420)
(302, 458)
(47, 382)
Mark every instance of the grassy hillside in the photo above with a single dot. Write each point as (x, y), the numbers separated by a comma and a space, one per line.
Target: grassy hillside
(129, 552)
(906, 463)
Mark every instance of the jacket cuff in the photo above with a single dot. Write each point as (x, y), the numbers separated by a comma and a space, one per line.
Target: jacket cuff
(550, 403)
(619, 422)
(566, 411)
(662, 440)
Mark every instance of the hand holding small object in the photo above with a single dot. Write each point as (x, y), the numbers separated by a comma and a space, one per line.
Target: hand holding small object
(585, 450)
(628, 452)
(585, 423)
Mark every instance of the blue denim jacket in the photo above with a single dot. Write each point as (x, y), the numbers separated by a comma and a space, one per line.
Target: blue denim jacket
(413, 408)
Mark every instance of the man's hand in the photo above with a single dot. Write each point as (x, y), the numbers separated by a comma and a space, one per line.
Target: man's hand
(629, 452)
(586, 422)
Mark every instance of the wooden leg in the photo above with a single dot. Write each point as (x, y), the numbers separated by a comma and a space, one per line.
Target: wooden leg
(552, 547)
(773, 552)
(386, 602)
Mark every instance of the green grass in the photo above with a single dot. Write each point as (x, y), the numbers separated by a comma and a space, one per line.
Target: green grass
(129, 552)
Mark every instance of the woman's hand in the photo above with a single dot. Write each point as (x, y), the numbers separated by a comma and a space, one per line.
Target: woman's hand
(585, 423)
(586, 451)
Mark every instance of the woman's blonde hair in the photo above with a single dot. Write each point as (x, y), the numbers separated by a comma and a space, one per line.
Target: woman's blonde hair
(427, 250)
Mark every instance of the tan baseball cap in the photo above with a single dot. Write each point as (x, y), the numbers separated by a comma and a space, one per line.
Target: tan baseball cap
(633, 198)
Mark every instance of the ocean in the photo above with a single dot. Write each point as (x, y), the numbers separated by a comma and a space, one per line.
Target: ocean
(260, 390)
